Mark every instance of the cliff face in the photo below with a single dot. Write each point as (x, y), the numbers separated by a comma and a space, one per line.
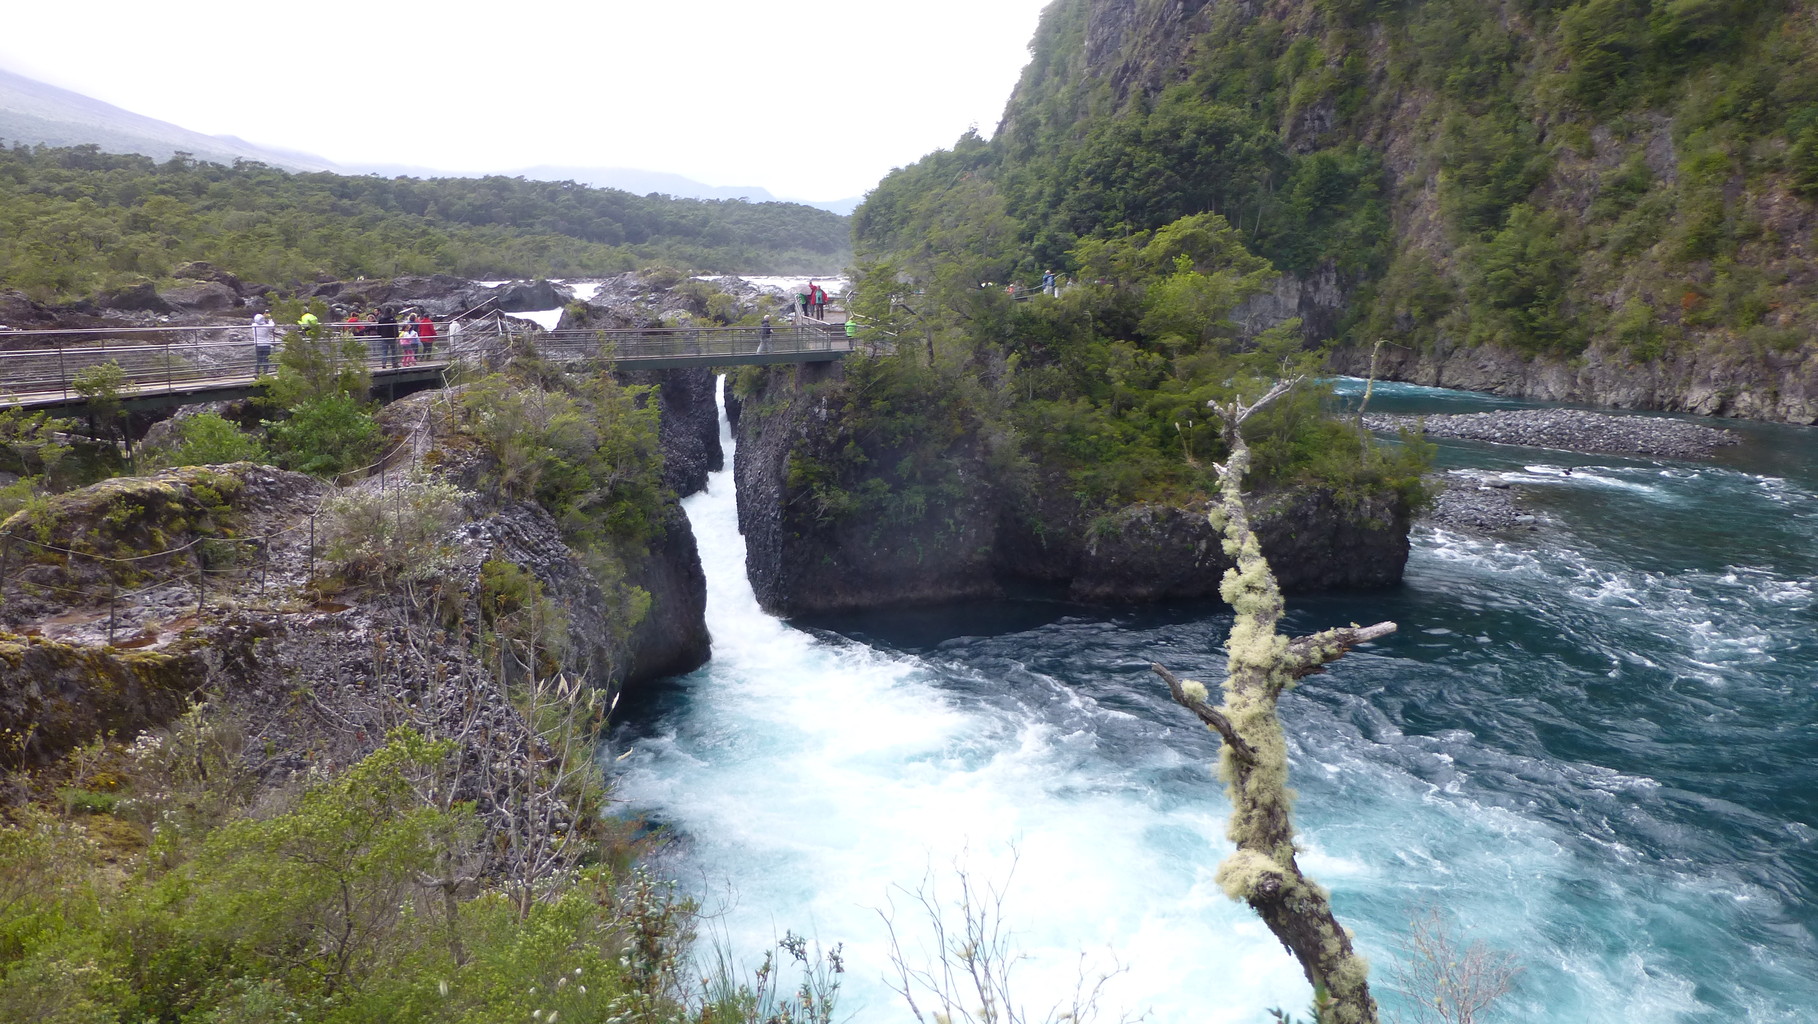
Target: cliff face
(801, 559)
(1758, 386)
(1604, 200)
(989, 530)
(690, 427)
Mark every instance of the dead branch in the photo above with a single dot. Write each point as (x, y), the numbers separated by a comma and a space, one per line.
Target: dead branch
(1309, 654)
(1206, 712)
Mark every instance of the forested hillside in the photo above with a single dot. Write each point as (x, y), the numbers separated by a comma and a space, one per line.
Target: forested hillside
(1593, 186)
(76, 220)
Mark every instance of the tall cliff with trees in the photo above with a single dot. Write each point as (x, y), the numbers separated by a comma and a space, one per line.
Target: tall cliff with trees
(1603, 200)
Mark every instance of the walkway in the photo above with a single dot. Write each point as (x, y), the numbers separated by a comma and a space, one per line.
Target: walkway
(166, 366)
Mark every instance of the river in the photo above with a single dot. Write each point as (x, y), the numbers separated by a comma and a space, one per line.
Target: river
(1593, 745)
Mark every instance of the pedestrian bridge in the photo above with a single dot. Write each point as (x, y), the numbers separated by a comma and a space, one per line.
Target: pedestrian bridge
(170, 366)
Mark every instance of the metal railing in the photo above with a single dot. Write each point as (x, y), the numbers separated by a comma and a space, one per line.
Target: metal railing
(41, 368)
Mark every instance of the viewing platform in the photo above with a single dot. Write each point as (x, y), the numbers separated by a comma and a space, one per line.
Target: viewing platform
(171, 366)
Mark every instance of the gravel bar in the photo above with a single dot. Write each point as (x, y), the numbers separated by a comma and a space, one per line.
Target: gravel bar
(1572, 430)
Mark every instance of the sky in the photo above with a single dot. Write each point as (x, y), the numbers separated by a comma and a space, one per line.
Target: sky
(810, 102)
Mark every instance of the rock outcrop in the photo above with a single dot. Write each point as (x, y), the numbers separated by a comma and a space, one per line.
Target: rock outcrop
(690, 428)
(987, 532)
(801, 561)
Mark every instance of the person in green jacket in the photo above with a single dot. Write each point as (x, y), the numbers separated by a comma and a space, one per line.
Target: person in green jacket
(851, 327)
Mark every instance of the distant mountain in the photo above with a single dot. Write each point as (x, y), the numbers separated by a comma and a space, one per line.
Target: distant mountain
(627, 179)
(33, 112)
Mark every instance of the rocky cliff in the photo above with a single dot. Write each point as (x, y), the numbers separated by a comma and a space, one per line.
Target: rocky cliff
(1709, 382)
(1609, 201)
(123, 603)
(987, 530)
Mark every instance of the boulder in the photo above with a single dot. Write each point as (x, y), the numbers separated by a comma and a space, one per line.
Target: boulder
(202, 270)
(141, 296)
(527, 297)
(202, 297)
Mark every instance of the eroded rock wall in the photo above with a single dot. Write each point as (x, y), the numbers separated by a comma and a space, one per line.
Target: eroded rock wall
(992, 531)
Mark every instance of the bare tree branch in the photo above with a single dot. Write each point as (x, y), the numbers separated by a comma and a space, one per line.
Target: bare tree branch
(1206, 712)
(1309, 654)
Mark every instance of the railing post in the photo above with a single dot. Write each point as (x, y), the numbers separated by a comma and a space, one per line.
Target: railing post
(62, 374)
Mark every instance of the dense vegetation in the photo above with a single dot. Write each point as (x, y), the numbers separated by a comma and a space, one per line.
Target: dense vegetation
(1082, 403)
(74, 221)
(166, 882)
(1545, 175)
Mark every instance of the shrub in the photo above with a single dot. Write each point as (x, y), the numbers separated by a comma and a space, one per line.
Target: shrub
(400, 533)
(208, 439)
(326, 435)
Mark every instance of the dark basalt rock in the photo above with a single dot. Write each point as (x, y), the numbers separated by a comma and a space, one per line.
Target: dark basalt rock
(519, 297)
(1313, 543)
(1477, 503)
(202, 270)
(800, 564)
(1706, 380)
(672, 636)
(18, 312)
(203, 297)
(987, 532)
(141, 296)
(689, 430)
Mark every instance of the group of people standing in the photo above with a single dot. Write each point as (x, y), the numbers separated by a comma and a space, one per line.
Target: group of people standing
(394, 341)
(401, 341)
(813, 302)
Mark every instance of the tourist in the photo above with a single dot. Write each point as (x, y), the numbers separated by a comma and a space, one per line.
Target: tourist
(764, 333)
(408, 341)
(262, 329)
(802, 297)
(388, 338)
(1048, 284)
(426, 334)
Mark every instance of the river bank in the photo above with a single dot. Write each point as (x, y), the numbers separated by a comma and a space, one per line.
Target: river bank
(1572, 430)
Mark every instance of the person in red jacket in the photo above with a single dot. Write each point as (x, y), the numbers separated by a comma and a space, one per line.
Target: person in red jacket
(426, 334)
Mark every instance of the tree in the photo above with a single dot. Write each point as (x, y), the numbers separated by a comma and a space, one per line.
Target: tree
(104, 385)
(1262, 664)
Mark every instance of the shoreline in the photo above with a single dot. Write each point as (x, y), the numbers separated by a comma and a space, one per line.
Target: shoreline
(1572, 430)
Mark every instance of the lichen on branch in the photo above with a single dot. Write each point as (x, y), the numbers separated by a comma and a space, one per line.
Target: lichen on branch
(1253, 762)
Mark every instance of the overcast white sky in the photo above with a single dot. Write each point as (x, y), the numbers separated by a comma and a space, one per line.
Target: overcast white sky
(809, 101)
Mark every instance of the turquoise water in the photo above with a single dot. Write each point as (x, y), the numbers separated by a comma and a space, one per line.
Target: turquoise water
(1593, 745)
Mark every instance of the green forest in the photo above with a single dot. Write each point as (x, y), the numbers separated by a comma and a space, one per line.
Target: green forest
(75, 221)
(1544, 176)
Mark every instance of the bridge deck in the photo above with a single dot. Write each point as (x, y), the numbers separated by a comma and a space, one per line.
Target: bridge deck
(163, 367)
